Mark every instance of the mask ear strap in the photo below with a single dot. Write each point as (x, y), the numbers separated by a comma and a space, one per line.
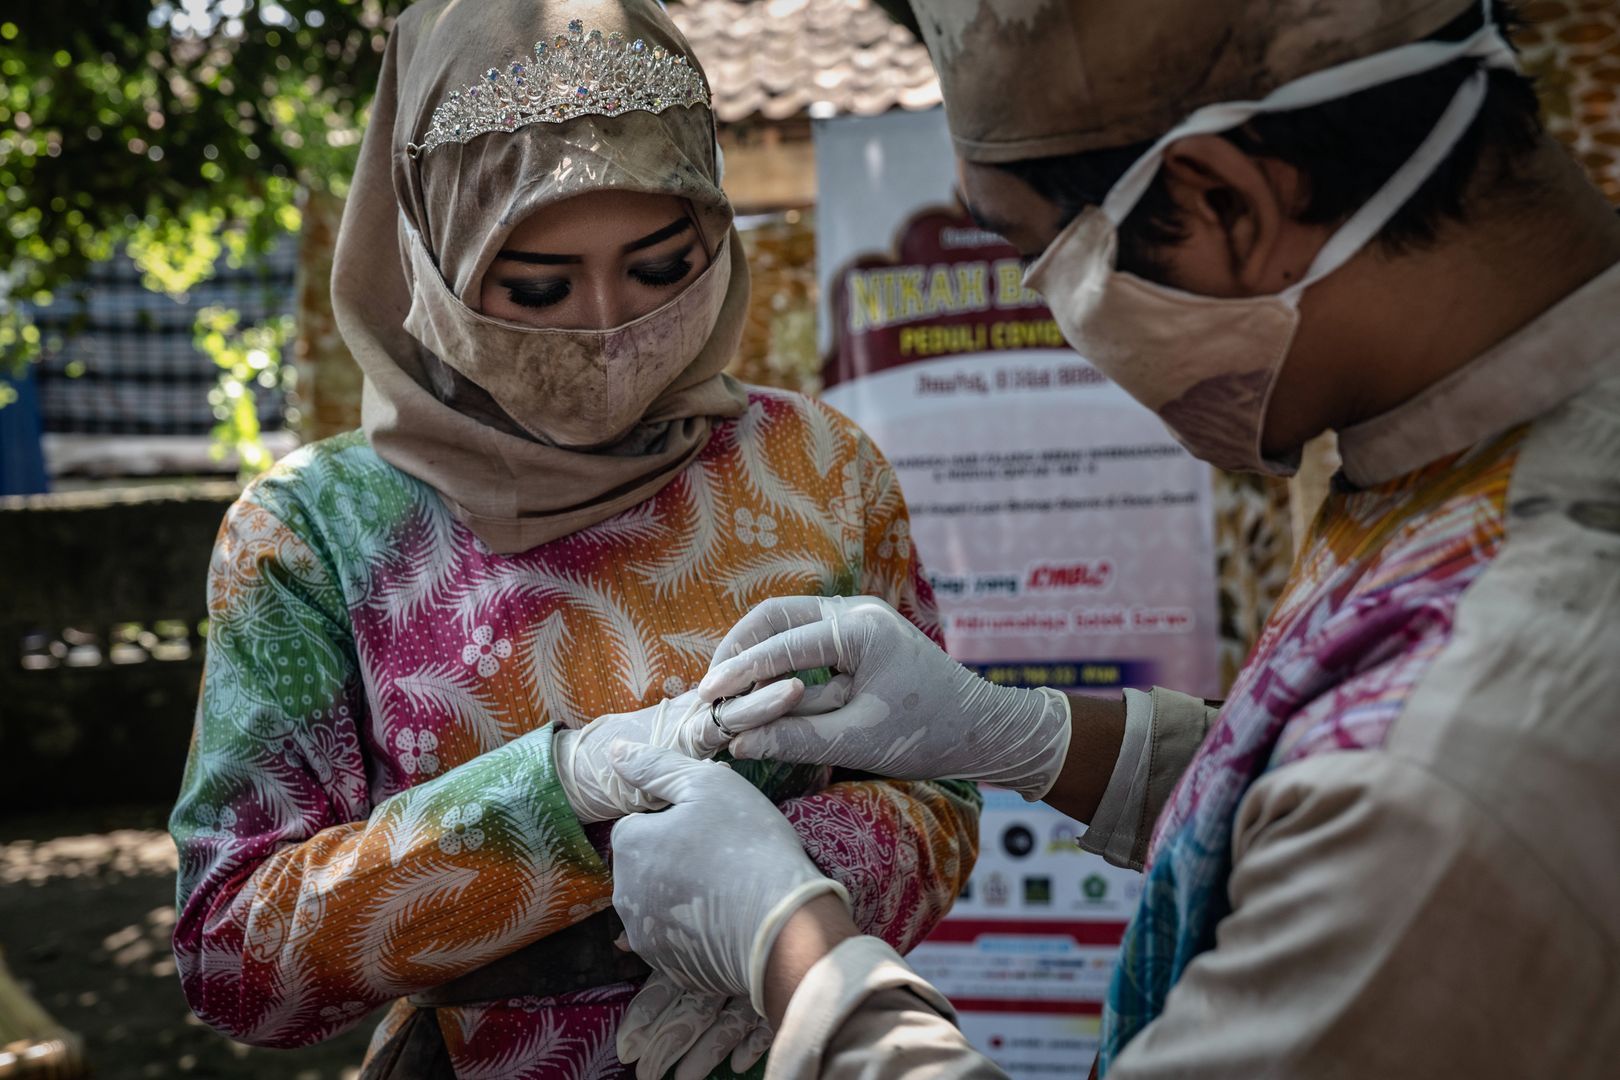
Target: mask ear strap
(1313, 89)
(1360, 227)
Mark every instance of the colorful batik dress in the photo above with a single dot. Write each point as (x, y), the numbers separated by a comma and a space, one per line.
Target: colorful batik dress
(370, 807)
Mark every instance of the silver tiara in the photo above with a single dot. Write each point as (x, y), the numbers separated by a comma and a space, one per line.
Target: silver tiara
(573, 74)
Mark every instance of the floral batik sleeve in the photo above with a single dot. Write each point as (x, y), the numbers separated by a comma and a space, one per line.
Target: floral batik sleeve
(903, 849)
(301, 903)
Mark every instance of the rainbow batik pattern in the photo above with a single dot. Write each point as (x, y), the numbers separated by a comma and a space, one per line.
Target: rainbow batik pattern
(1371, 603)
(370, 806)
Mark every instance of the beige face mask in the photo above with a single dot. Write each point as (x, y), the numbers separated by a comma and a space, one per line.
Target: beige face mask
(577, 389)
(1207, 365)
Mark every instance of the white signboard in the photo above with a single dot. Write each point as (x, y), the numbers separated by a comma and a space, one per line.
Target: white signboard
(1067, 535)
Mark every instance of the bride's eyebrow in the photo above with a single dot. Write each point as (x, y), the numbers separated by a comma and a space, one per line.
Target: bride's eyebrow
(674, 228)
(542, 258)
(539, 258)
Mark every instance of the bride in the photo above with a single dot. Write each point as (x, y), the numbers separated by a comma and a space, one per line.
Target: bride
(425, 633)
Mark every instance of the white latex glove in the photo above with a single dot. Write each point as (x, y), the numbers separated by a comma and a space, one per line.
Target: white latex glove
(705, 887)
(911, 712)
(666, 1023)
(683, 724)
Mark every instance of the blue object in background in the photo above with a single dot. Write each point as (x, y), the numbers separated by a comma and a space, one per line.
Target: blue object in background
(22, 458)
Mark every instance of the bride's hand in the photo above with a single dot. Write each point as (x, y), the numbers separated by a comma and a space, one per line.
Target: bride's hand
(666, 1024)
(685, 724)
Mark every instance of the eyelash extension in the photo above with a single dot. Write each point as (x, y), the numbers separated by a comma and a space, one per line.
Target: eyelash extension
(666, 273)
(661, 278)
(660, 275)
(527, 296)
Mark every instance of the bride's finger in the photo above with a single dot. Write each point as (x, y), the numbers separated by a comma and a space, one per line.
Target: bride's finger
(830, 695)
(736, 715)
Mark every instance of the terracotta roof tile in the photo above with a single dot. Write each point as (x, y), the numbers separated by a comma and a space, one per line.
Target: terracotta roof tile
(776, 58)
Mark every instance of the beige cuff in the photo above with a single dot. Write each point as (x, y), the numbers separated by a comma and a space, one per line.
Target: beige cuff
(1113, 828)
(771, 927)
(833, 991)
(1163, 730)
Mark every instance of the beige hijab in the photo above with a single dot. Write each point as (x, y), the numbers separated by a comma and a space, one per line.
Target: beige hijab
(463, 198)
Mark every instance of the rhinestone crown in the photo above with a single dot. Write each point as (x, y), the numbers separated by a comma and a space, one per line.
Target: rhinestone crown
(573, 74)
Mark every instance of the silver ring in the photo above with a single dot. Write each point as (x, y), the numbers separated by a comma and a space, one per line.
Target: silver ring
(714, 714)
(714, 710)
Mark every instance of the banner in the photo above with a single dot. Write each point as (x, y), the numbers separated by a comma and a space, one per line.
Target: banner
(1067, 535)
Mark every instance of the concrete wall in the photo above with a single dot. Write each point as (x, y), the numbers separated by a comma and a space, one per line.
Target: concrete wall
(100, 641)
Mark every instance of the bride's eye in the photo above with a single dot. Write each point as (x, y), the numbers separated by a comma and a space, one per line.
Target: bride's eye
(665, 272)
(533, 294)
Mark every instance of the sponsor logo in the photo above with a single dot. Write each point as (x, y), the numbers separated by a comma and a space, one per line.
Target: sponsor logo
(1095, 888)
(995, 891)
(1017, 841)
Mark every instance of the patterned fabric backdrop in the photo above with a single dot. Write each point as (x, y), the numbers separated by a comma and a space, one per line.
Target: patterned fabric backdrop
(1573, 49)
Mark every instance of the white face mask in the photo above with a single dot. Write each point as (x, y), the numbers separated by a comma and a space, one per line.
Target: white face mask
(1207, 365)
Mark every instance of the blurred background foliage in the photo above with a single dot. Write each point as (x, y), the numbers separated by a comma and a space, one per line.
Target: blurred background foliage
(185, 134)
(182, 134)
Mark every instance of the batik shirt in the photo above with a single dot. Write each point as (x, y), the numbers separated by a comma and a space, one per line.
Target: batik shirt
(370, 807)
(1394, 854)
